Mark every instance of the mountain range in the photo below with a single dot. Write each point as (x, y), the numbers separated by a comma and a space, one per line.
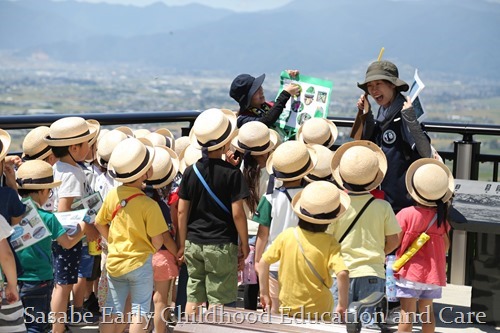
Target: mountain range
(447, 36)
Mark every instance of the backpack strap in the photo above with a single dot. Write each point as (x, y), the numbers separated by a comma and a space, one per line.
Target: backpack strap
(123, 203)
(356, 219)
(209, 190)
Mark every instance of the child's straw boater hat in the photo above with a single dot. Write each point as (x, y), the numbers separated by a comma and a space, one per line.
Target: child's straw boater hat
(97, 125)
(34, 146)
(127, 130)
(141, 132)
(106, 144)
(130, 160)
(320, 202)
(165, 167)
(322, 170)
(255, 137)
(292, 160)
(162, 137)
(180, 144)
(188, 156)
(4, 143)
(318, 131)
(212, 129)
(36, 175)
(429, 181)
(71, 131)
(359, 166)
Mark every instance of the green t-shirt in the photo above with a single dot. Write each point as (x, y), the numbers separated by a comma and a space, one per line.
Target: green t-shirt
(37, 259)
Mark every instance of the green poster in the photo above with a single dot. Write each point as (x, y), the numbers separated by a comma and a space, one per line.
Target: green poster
(312, 101)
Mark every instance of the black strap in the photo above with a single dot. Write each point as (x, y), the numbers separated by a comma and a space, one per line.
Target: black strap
(356, 218)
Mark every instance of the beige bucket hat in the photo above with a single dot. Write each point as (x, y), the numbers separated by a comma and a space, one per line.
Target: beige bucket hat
(34, 145)
(255, 137)
(319, 131)
(429, 180)
(36, 175)
(181, 144)
(189, 156)
(357, 164)
(322, 170)
(71, 131)
(165, 167)
(292, 160)
(130, 160)
(106, 144)
(212, 129)
(4, 143)
(320, 202)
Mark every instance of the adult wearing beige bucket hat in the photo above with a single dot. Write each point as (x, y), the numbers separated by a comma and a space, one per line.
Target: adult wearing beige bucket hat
(132, 224)
(211, 215)
(395, 127)
(307, 254)
(431, 185)
(369, 229)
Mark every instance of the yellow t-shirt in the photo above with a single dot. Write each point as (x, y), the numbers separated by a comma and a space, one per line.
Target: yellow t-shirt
(299, 287)
(129, 238)
(363, 247)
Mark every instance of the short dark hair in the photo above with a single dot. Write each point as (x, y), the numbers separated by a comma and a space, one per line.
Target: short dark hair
(60, 151)
(312, 227)
(25, 193)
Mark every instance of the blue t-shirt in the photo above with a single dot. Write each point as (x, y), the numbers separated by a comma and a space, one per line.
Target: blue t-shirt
(37, 259)
(10, 205)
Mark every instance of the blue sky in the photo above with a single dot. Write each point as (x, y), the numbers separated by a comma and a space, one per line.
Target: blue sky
(236, 5)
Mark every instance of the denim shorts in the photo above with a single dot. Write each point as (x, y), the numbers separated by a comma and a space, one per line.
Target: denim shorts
(213, 272)
(138, 283)
(402, 292)
(66, 263)
(86, 263)
(36, 296)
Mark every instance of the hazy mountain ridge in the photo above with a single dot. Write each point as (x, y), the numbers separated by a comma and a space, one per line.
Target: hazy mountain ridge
(459, 37)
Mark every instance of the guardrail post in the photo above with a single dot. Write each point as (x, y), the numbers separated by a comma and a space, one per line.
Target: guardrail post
(466, 167)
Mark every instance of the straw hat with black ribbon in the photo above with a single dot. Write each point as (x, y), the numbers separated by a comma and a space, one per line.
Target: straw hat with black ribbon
(130, 160)
(106, 144)
(292, 160)
(180, 144)
(319, 131)
(320, 202)
(162, 137)
(165, 167)
(34, 146)
(359, 166)
(71, 131)
(322, 170)
(36, 175)
(188, 156)
(126, 130)
(212, 129)
(4, 143)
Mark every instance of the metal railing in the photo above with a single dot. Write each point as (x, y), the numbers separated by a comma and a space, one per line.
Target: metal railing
(465, 158)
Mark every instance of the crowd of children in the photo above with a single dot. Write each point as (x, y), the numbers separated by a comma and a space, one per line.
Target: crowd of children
(304, 224)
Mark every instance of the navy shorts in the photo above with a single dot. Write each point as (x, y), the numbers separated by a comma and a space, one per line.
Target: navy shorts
(86, 263)
(66, 263)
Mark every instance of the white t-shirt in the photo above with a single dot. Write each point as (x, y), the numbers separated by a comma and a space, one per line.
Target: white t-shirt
(104, 183)
(74, 182)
